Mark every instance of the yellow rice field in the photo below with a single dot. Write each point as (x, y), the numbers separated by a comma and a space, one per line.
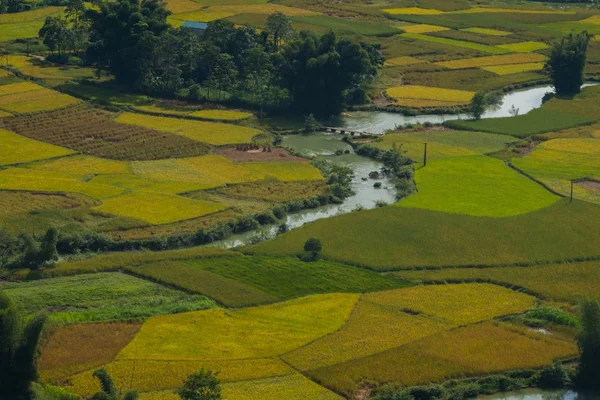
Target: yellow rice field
(268, 8)
(493, 60)
(289, 387)
(4, 114)
(222, 115)
(203, 15)
(158, 208)
(424, 103)
(18, 88)
(26, 16)
(429, 93)
(46, 103)
(16, 149)
(524, 47)
(84, 166)
(33, 67)
(208, 132)
(401, 61)
(487, 31)
(514, 68)
(412, 11)
(477, 10)
(423, 28)
(181, 6)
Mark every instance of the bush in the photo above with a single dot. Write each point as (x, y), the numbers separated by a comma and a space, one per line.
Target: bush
(279, 211)
(203, 385)
(246, 223)
(554, 377)
(266, 218)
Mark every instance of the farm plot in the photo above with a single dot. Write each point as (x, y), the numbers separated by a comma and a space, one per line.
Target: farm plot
(206, 132)
(479, 62)
(257, 332)
(101, 297)
(423, 28)
(36, 68)
(524, 47)
(344, 26)
(16, 149)
(563, 282)
(402, 238)
(214, 115)
(255, 280)
(458, 43)
(385, 320)
(412, 11)
(487, 31)
(584, 105)
(473, 350)
(93, 131)
(71, 349)
(402, 61)
(289, 387)
(477, 185)
(428, 96)
(25, 24)
(514, 68)
(24, 202)
(27, 97)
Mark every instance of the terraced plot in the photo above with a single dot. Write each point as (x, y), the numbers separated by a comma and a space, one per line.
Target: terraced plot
(422, 96)
(493, 60)
(478, 185)
(525, 47)
(514, 68)
(24, 202)
(36, 68)
(16, 149)
(215, 115)
(206, 132)
(25, 24)
(423, 28)
(401, 61)
(458, 43)
(27, 97)
(487, 31)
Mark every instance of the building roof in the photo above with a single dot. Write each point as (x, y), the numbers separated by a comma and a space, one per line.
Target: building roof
(195, 25)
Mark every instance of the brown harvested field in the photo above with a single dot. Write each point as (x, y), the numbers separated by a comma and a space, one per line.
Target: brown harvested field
(275, 155)
(590, 185)
(19, 202)
(93, 131)
(71, 349)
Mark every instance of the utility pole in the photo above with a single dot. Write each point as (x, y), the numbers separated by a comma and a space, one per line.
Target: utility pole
(570, 201)
(425, 155)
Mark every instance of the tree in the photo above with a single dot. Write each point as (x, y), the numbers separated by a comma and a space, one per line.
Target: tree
(279, 27)
(19, 350)
(108, 389)
(11, 6)
(203, 385)
(48, 250)
(478, 105)
(9, 247)
(313, 246)
(224, 74)
(588, 375)
(31, 251)
(55, 34)
(567, 62)
(310, 123)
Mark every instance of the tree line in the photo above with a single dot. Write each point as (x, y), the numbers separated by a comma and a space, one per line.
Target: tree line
(308, 72)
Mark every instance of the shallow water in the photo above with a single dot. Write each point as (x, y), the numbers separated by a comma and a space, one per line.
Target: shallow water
(539, 394)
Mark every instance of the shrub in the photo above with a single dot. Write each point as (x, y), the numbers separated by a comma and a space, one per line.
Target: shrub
(313, 246)
(266, 218)
(203, 385)
(279, 211)
(554, 377)
(246, 223)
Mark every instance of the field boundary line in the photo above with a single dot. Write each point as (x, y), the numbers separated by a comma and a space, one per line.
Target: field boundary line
(525, 174)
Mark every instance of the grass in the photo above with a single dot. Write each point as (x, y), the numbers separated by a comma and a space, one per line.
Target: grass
(429, 93)
(70, 349)
(514, 68)
(101, 297)
(563, 282)
(492, 60)
(258, 332)
(73, 128)
(524, 47)
(401, 238)
(289, 387)
(158, 208)
(584, 105)
(384, 320)
(458, 43)
(16, 149)
(273, 278)
(537, 121)
(487, 31)
(149, 375)
(207, 132)
(473, 350)
(477, 185)
(344, 26)
(442, 144)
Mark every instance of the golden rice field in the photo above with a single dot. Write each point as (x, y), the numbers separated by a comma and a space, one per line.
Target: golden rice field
(181, 6)
(207, 132)
(289, 387)
(24, 202)
(514, 68)
(27, 97)
(158, 208)
(203, 15)
(38, 14)
(4, 114)
(216, 115)
(19, 87)
(487, 31)
(84, 166)
(429, 93)
(149, 375)
(58, 101)
(524, 47)
(493, 60)
(423, 28)
(257, 332)
(401, 61)
(477, 10)
(473, 350)
(424, 103)
(15, 149)
(412, 11)
(564, 282)
(33, 67)
(268, 8)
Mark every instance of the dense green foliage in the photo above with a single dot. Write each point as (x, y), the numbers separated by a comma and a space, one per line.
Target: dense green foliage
(588, 376)
(202, 385)
(109, 390)
(567, 62)
(18, 350)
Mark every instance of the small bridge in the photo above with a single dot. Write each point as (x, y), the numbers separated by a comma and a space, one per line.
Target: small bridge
(346, 131)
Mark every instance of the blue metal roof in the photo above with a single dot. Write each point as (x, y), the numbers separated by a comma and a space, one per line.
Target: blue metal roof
(195, 25)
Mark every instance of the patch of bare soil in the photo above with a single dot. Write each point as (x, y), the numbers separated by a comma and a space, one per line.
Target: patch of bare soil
(590, 185)
(523, 150)
(275, 155)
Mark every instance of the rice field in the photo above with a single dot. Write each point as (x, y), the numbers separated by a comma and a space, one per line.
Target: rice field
(478, 186)
(158, 208)
(412, 11)
(181, 6)
(289, 387)
(487, 31)
(36, 68)
(402, 61)
(258, 332)
(83, 166)
(16, 149)
(71, 349)
(27, 97)
(524, 47)
(479, 62)
(562, 282)
(473, 350)
(206, 132)
(480, 10)
(423, 28)
(458, 43)
(214, 115)
(414, 92)
(12, 203)
(25, 24)
(514, 68)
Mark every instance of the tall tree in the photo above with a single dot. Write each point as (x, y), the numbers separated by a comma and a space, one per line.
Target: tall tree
(55, 34)
(588, 376)
(478, 105)
(108, 389)
(224, 74)
(567, 62)
(19, 350)
(279, 27)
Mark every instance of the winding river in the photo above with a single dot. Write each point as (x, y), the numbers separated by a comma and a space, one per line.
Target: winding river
(326, 144)
(539, 394)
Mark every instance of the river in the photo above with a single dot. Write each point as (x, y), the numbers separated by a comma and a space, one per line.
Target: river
(539, 394)
(325, 145)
